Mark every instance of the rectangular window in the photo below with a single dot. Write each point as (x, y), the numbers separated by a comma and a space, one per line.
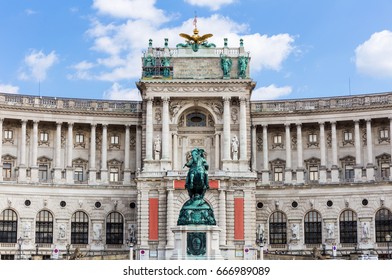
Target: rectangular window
(79, 138)
(384, 133)
(78, 174)
(114, 139)
(348, 136)
(113, 177)
(7, 170)
(278, 139)
(44, 136)
(313, 173)
(349, 173)
(278, 174)
(312, 138)
(385, 170)
(8, 134)
(43, 172)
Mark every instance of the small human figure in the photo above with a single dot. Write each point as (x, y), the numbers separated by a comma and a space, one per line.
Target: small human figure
(26, 230)
(365, 230)
(330, 230)
(62, 228)
(234, 147)
(226, 65)
(166, 66)
(157, 147)
(242, 65)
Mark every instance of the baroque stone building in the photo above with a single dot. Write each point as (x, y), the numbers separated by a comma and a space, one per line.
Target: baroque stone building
(90, 174)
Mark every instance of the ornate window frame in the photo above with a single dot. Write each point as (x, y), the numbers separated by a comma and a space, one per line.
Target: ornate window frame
(80, 165)
(80, 139)
(8, 135)
(348, 137)
(11, 160)
(313, 168)
(384, 162)
(348, 163)
(383, 135)
(44, 137)
(278, 169)
(114, 141)
(115, 166)
(277, 141)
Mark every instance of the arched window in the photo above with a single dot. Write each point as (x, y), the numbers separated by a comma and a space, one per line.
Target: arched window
(79, 228)
(278, 228)
(8, 226)
(313, 230)
(44, 227)
(383, 224)
(114, 228)
(348, 227)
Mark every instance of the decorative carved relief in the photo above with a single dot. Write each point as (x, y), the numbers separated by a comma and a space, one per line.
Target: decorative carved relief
(211, 122)
(329, 139)
(259, 143)
(181, 121)
(234, 115)
(132, 142)
(175, 107)
(197, 142)
(158, 115)
(63, 138)
(364, 136)
(294, 142)
(217, 108)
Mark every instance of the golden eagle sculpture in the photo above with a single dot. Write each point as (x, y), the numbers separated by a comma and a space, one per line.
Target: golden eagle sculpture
(195, 40)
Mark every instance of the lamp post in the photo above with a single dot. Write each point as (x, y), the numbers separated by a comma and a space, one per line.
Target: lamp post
(388, 239)
(131, 242)
(20, 241)
(68, 247)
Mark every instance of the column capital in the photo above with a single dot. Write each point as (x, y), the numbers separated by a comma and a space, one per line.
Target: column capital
(23, 121)
(298, 124)
(287, 124)
(332, 122)
(368, 120)
(70, 124)
(356, 121)
(165, 99)
(226, 99)
(127, 125)
(150, 99)
(104, 125)
(1, 119)
(243, 99)
(58, 123)
(264, 125)
(93, 125)
(321, 123)
(35, 122)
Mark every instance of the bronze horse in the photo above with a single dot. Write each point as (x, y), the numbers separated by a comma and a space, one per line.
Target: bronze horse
(197, 178)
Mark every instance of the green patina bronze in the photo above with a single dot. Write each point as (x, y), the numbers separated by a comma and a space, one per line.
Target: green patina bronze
(196, 210)
(196, 243)
(226, 63)
(242, 65)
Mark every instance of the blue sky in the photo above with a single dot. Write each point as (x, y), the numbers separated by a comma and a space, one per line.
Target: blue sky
(92, 49)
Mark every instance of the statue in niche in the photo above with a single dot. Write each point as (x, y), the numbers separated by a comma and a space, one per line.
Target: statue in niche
(26, 230)
(97, 232)
(365, 230)
(234, 147)
(166, 67)
(226, 65)
(157, 147)
(62, 230)
(196, 210)
(148, 63)
(242, 65)
(330, 230)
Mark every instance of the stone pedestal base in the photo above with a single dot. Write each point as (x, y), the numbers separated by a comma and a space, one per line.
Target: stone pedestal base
(370, 173)
(288, 176)
(69, 175)
(22, 174)
(300, 177)
(57, 176)
(265, 177)
(335, 175)
(323, 175)
(212, 251)
(357, 174)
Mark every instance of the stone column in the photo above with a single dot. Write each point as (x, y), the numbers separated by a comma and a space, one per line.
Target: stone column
(222, 217)
(323, 162)
(265, 175)
(226, 129)
(127, 170)
(138, 147)
(170, 219)
(217, 150)
(104, 154)
(69, 169)
(34, 165)
(92, 171)
(175, 151)
(335, 167)
(57, 168)
(300, 161)
(165, 128)
(1, 149)
(22, 163)
(369, 143)
(243, 132)
(184, 150)
(149, 130)
(358, 157)
(288, 171)
(254, 148)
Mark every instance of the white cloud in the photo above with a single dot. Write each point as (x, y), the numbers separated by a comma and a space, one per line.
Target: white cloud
(82, 71)
(7, 88)
(271, 92)
(30, 12)
(121, 44)
(374, 56)
(131, 9)
(117, 92)
(37, 64)
(212, 4)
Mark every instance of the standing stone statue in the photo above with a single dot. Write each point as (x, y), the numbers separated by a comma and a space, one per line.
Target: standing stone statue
(242, 65)
(234, 147)
(157, 147)
(226, 66)
(196, 210)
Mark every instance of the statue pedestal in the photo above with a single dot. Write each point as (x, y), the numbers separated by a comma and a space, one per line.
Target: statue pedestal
(186, 247)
